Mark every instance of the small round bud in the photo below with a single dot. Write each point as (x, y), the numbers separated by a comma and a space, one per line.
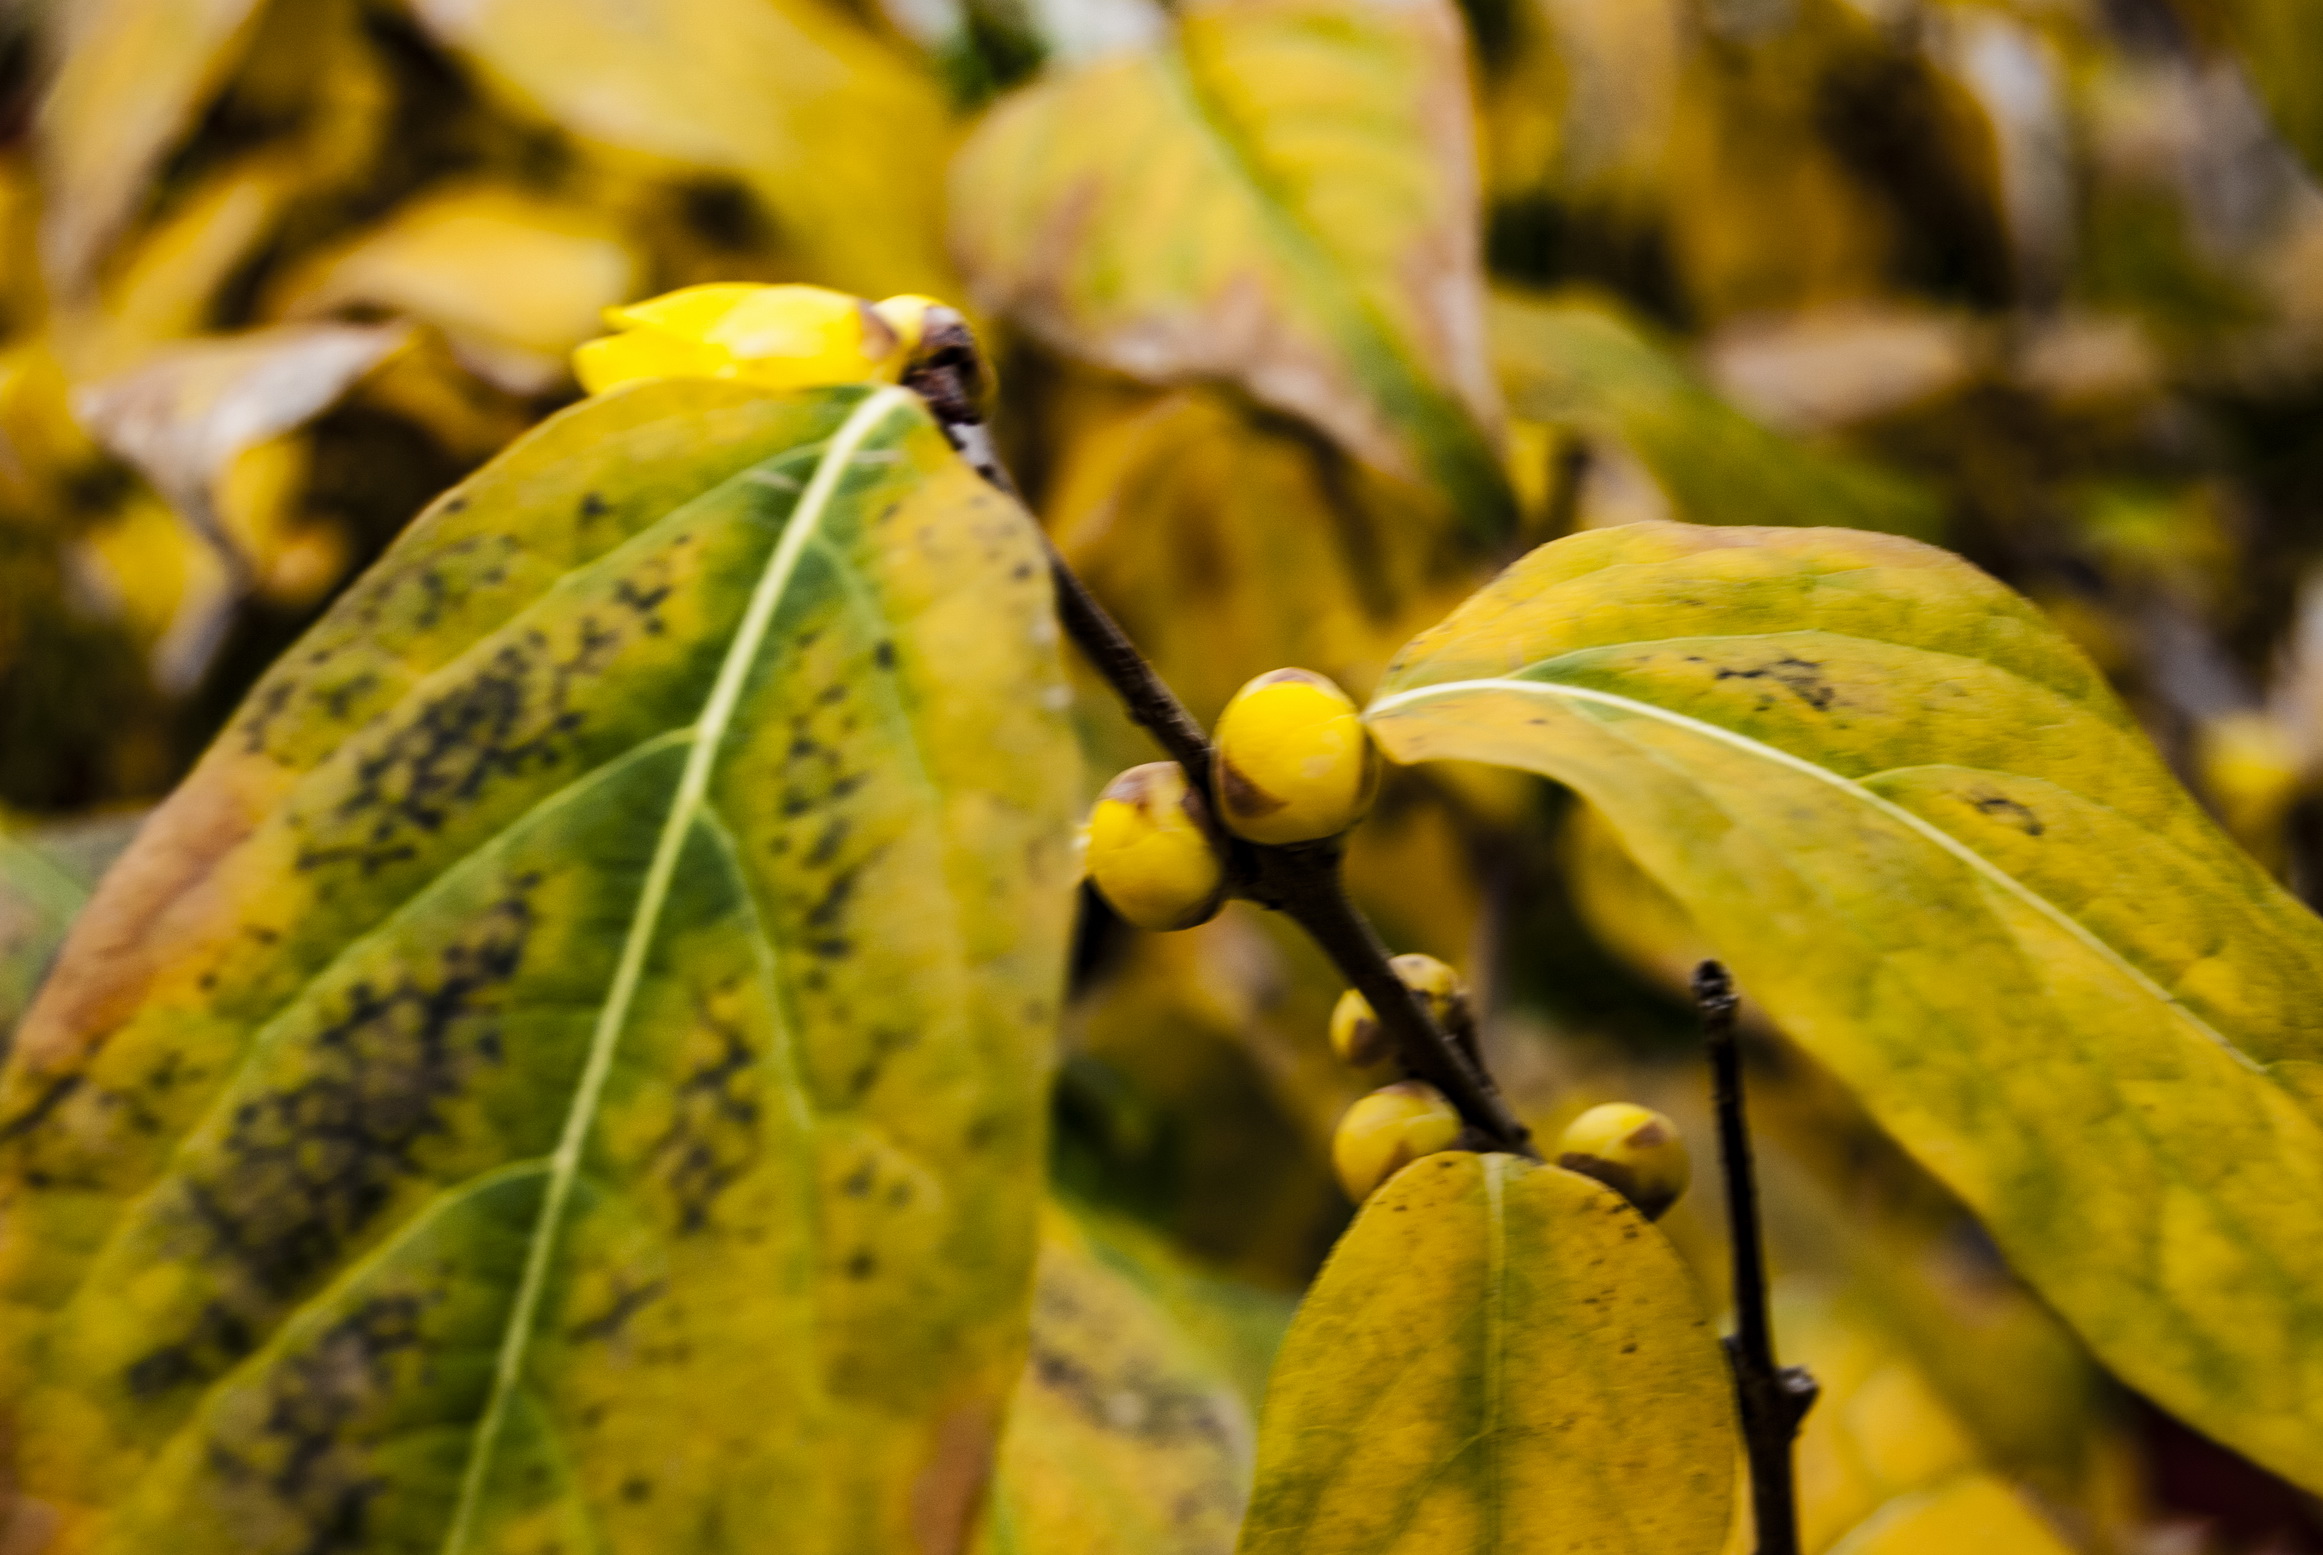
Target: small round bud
(1294, 761)
(1152, 851)
(1633, 1150)
(1356, 1034)
(1387, 1131)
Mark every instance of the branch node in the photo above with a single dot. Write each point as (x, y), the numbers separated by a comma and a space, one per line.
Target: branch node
(1771, 1400)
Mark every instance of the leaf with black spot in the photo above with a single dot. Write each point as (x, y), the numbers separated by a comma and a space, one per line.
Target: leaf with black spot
(436, 1131)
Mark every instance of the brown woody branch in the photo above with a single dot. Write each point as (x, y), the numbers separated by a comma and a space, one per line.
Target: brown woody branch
(1303, 881)
(1772, 1399)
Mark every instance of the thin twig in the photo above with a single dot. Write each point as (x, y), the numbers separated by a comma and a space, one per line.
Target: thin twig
(1301, 882)
(1772, 1399)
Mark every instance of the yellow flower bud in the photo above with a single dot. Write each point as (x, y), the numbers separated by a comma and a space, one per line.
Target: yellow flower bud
(784, 337)
(1633, 1150)
(1152, 851)
(1359, 1039)
(1294, 761)
(1387, 1131)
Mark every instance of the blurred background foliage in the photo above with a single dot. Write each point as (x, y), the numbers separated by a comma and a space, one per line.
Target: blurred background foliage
(2039, 280)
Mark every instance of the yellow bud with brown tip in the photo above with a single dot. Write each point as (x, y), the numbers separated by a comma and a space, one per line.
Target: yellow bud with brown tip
(1152, 852)
(1358, 1037)
(1295, 763)
(1387, 1131)
(1633, 1150)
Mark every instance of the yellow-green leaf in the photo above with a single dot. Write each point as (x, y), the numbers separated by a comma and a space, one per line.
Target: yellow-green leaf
(1937, 850)
(514, 280)
(1497, 1356)
(841, 138)
(1282, 195)
(1127, 1434)
(568, 1067)
(1582, 365)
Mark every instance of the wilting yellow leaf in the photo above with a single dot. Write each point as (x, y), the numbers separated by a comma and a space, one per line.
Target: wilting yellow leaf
(573, 1055)
(1126, 1435)
(1283, 195)
(43, 447)
(1936, 849)
(203, 420)
(1497, 1356)
(513, 280)
(1581, 364)
(131, 77)
(185, 413)
(169, 276)
(841, 138)
(167, 584)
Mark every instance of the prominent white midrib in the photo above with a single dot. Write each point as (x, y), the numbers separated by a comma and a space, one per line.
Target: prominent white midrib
(685, 806)
(1976, 861)
(1495, 1342)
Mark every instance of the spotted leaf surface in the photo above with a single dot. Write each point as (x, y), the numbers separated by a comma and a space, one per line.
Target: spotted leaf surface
(1127, 1433)
(565, 1072)
(1498, 1357)
(1281, 194)
(1935, 847)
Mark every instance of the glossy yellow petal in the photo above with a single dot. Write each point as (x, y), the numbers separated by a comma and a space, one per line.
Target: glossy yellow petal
(802, 323)
(780, 337)
(690, 311)
(642, 354)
